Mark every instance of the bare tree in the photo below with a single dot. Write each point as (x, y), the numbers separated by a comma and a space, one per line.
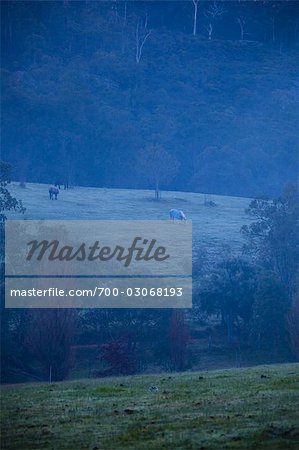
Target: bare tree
(273, 29)
(212, 13)
(195, 3)
(23, 166)
(49, 338)
(293, 325)
(125, 12)
(157, 166)
(68, 143)
(241, 22)
(277, 9)
(141, 35)
(178, 339)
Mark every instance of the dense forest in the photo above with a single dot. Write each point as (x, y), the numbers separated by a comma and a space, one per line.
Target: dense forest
(88, 85)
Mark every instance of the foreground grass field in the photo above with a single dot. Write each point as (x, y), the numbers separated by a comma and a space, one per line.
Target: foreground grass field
(228, 409)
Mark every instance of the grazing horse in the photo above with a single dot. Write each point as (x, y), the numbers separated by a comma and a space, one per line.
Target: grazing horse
(53, 192)
(177, 214)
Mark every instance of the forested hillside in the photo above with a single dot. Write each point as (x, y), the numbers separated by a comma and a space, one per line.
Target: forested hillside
(86, 86)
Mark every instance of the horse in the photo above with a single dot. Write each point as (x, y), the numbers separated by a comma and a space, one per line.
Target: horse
(53, 192)
(177, 214)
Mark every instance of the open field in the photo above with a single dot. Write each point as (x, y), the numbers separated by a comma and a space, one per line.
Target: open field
(215, 228)
(227, 409)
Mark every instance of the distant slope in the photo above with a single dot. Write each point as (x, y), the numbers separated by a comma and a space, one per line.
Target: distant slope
(228, 409)
(84, 109)
(214, 228)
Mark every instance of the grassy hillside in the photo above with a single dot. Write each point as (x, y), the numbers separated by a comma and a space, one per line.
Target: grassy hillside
(228, 409)
(214, 228)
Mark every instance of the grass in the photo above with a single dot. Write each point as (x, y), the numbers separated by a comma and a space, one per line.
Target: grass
(226, 409)
(213, 228)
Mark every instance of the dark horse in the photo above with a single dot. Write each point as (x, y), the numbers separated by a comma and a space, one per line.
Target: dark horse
(53, 192)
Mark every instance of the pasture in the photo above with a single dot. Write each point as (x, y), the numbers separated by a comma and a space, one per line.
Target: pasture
(215, 228)
(255, 408)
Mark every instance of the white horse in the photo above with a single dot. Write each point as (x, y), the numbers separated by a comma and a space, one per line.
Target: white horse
(177, 214)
